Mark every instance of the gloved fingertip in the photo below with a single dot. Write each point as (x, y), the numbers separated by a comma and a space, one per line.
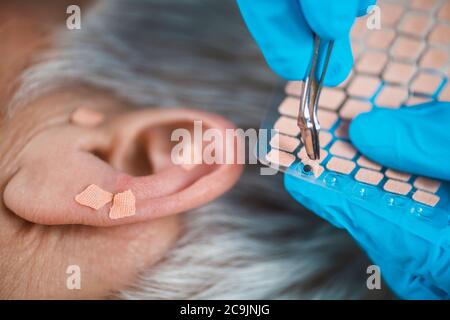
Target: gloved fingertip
(330, 19)
(366, 134)
(371, 134)
(358, 134)
(340, 64)
(337, 73)
(379, 135)
(405, 139)
(282, 33)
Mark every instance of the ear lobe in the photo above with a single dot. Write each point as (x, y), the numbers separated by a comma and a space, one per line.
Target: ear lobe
(60, 163)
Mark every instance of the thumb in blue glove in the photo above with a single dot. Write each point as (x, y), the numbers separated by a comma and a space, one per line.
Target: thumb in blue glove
(415, 140)
(284, 29)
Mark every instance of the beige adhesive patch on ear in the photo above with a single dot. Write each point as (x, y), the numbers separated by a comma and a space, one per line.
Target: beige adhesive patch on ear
(87, 117)
(94, 197)
(188, 167)
(124, 205)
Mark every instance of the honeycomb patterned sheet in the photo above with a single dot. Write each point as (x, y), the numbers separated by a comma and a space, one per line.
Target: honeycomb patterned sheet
(406, 62)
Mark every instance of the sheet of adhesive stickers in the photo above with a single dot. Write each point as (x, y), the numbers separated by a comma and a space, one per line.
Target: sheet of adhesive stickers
(404, 63)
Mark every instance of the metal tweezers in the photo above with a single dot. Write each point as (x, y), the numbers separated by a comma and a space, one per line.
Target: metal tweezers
(307, 119)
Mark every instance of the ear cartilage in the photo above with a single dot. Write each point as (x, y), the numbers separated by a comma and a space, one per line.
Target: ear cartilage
(188, 167)
(124, 205)
(86, 117)
(94, 197)
(403, 64)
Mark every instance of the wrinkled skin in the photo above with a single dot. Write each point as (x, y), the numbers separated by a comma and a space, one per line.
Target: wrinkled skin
(45, 161)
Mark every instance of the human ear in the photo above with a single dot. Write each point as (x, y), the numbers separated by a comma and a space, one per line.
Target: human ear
(128, 151)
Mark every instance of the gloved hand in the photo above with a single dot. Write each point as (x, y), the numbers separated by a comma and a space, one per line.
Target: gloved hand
(416, 140)
(284, 30)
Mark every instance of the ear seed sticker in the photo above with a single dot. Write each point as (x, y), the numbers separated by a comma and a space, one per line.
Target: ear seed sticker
(94, 197)
(85, 117)
(124, 205)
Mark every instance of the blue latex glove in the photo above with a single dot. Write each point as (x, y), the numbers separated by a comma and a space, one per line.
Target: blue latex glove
(416, 140)
(283, 30)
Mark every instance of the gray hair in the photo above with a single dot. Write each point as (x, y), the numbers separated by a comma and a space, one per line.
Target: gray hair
(253, 243)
